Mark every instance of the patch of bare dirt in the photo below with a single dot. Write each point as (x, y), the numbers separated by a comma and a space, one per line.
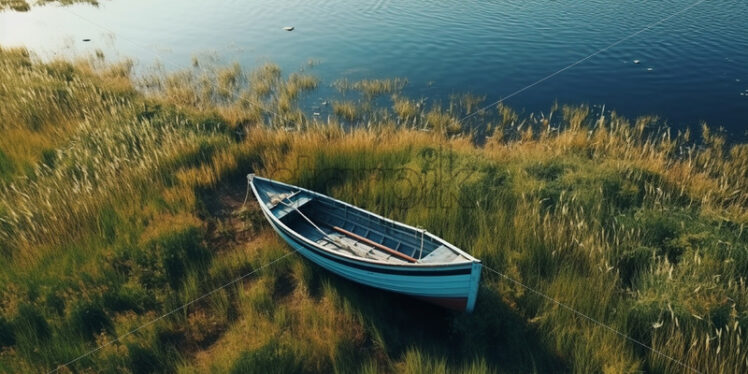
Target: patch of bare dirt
(231, 220)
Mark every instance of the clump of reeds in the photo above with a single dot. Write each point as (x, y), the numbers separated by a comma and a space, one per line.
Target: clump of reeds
(17, 5)
(23, 6)
(442, 121)
(405, 108)
(465, 103)
(372, 88)
(345, 109)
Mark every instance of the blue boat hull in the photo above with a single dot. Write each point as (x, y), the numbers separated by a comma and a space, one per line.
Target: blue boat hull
(454, 287)
(450, 282)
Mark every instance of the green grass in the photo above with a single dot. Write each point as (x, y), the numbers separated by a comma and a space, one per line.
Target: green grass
(121, 199)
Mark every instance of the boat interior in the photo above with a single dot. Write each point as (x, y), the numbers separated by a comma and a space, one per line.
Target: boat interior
(342, 229)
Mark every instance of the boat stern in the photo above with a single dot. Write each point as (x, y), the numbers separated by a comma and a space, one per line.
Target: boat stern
(474, 285)
(461, 303)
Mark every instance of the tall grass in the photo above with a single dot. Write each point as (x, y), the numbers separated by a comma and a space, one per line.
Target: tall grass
(24, 6)
(121, 199)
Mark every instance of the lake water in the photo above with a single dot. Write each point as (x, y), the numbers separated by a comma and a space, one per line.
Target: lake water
(693, 67)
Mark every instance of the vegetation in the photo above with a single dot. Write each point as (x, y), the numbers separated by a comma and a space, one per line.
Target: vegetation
(371, 88)
(23, 5)
(122, 199)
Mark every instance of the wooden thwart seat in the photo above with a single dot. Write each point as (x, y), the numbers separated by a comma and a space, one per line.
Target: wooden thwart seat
(284, 207)
(374, 244)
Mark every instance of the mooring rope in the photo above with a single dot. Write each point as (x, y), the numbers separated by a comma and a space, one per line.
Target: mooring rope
(329, 238)
(587, 317)
(249, 187)
(460, 121)
(557, 72)
(119, 338)
(302, 215)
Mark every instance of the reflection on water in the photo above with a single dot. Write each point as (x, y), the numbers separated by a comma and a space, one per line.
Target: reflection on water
(692, 67)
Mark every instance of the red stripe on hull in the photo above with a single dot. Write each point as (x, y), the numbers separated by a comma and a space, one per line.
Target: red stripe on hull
(454, 303)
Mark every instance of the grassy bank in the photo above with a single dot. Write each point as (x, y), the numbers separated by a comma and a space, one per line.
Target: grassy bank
(121, 199)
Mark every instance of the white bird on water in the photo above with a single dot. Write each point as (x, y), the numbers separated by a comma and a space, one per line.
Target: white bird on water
(289, 28)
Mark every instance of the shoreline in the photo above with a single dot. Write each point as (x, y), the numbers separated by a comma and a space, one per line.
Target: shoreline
(118, 205)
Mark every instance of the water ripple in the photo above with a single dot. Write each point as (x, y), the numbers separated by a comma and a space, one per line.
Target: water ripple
(692, 67)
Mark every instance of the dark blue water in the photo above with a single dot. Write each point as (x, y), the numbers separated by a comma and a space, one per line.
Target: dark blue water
(693, 67)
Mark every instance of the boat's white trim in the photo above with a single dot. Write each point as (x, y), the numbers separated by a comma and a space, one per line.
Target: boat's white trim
(270, 215)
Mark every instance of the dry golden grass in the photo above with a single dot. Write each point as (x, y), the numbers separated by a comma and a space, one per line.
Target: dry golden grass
(23, 5)
(122, 204)
(345, 110)
(405, 108)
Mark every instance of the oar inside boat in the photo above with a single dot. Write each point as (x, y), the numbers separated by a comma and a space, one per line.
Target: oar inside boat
(375, 244)
(343, 231)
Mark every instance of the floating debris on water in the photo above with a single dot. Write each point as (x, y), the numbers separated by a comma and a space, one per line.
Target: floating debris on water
(650, 69)
(289, 28)
(636, 61)
(316, 114)
(86, 40)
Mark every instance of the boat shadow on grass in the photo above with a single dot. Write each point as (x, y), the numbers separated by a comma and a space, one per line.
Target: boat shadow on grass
(494, 333)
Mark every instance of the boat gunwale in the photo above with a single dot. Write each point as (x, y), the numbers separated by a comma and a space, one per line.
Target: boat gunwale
(378, 268)
(469, 259)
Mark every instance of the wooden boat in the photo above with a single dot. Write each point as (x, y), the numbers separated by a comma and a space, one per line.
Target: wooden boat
(367, 248)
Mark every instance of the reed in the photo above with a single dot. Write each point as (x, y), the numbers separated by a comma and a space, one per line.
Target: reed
(405, 108)
(121, 199)
(372, 88)
(17, 5)
(23, 5)
(345, 110)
